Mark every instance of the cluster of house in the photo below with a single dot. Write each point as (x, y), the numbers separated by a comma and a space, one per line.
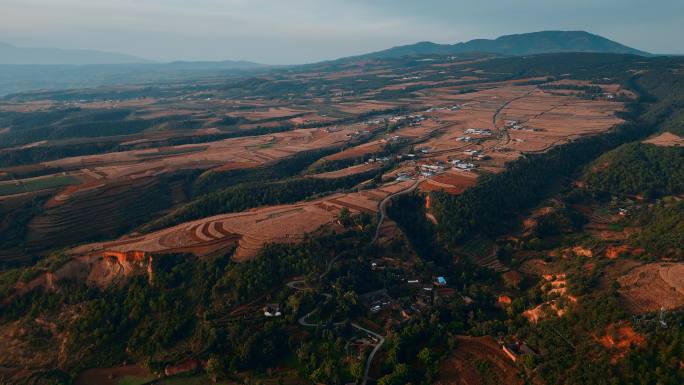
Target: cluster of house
(408, 156)
(384, 159)
(341, 93)
(423, 296)
(413, 120)
(518, 126)
(431, 169)
(446, 108)
(373, 122)
(427, 293)
(479, 131)
(463, 166)
(476, 154)
(466, 139)
(514, 125)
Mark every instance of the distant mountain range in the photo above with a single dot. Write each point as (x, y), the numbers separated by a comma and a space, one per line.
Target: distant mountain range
(510, 45)
(513, 45)
(23, 69)
(10, 54)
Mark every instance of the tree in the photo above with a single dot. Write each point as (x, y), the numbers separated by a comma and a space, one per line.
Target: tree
(425, 356)
(215, 368)
(344, 217)
(399, 376)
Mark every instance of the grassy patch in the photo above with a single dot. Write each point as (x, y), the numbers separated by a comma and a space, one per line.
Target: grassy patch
(36, 184)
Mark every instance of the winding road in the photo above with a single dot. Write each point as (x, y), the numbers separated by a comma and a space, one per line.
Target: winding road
(296, 285)
(300, 284)
(382, 206)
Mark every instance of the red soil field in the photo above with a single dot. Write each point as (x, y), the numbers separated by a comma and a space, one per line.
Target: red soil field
(666, 139)
(452, 182)
(649, 287)
(360, 168)
(461, 367)
(249, 230)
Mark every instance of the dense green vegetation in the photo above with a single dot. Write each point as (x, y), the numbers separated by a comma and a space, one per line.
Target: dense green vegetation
(215, 180)
(559, 221)
(252, 194)
(186, 301)
(14, 221)
(70, 123)
(658, 362)
(662, 230)
(638, 169)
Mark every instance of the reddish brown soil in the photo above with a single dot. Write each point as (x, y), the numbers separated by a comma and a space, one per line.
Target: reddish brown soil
(110, 376)
(666, 139)
(452, 182)
(649, 287)
(347, 171)
(620, 339)
(461, 367)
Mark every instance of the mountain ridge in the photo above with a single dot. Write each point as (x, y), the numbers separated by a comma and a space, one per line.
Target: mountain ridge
(512, 45)
(15, 55)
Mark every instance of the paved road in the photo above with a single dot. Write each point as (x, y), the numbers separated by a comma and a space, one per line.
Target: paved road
(506, 138)
(300, 284)
(372, 354)
(382, 206)
(297, 285)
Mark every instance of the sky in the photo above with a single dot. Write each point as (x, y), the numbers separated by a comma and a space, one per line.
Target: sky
(304, 31)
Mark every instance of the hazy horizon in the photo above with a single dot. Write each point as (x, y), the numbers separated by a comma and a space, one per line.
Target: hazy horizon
(303, 31)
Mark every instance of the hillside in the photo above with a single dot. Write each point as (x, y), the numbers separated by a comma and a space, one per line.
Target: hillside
(515, 45)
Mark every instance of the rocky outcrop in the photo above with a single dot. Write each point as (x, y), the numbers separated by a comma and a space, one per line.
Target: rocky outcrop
(103, 270)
